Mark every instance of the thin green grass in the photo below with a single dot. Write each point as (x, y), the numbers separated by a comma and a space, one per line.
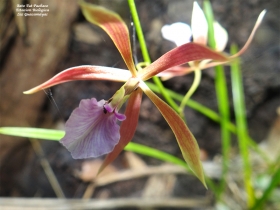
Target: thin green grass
(241, 125)
(36, 133)
(56, 135)
(222, 98)
(275, 181)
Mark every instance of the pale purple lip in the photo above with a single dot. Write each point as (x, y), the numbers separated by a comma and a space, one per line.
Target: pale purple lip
(91, 132)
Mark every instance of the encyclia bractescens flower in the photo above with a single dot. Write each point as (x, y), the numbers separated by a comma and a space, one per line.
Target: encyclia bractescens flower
(199, 31)
(92, 128)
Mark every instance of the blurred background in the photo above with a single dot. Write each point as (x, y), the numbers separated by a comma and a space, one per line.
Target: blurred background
(33, 49)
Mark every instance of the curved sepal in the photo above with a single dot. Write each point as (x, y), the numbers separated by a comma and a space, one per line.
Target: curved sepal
(182, 70)
(84, 73)
(180, 55)
(248, 42)
(175, 72)
(128, 127)
(184, 137)
(114, 26)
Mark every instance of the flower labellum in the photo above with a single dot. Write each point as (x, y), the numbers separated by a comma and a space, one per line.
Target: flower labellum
(92, 129)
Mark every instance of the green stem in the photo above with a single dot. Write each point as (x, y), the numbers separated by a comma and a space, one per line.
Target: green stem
(139, 31)
(273, 184)
(196, 81)
(160, 155)
(145, 53)
(222, 97)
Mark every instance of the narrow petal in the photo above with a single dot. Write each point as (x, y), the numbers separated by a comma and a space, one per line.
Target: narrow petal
(180, 55)
(258, 23)
(182, 70)
(185, 139)
(84, 73)
(221, 36)
(114, 26)
(91, 132)
(199, 25)
(128, 127)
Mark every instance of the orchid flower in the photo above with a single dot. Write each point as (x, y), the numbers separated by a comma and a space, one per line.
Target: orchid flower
(199, 32)
(92, 129)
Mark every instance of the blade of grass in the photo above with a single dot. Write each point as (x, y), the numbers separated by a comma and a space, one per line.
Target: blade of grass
(273, 184)
(139, 31)
(56, 135)
(222, 98)
(148, 151)
(241, 125)
(145, 53)
(224, 109)
(37, 133)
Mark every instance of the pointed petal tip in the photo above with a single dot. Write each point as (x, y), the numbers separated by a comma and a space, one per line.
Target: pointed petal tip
(260, 18)
(201, 178)
(204, 183)
(26, 92)
(197, 169)
(114, 26)
(248, 42)
(261, 15)
(31, 91)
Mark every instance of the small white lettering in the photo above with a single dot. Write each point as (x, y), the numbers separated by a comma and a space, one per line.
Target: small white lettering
(39, 10)
(40, 5)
